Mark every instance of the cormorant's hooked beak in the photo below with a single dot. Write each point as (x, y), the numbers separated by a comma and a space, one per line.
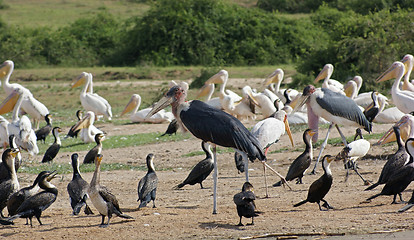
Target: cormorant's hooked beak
(330, 158)
(389, 136)
(14, 152)
(8, 104)
(390, 73)
(287, 128)
(51, 175)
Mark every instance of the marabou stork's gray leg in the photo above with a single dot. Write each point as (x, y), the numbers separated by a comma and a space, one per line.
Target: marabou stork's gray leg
(322, 147)
(215, 177)
(342, 136)
(264, 173)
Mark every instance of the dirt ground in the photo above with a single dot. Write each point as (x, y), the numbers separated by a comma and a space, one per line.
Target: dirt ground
(187, 213)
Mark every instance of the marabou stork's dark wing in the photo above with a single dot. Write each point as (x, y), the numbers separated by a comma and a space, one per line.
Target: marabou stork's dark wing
(342, 106)
(215, 126)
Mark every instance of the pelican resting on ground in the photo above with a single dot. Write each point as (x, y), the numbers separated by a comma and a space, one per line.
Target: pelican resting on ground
(103, 200)
(88, 130)
(92, 101)
(139, 116)
(30, 105)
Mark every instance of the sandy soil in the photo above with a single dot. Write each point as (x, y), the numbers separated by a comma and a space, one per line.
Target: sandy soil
(187, 213)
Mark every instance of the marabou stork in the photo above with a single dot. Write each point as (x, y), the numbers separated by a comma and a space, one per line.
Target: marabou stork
(211, 125)
(335, 108)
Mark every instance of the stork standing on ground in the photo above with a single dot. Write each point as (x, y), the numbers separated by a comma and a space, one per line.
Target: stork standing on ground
(334, 107)
(211, 125)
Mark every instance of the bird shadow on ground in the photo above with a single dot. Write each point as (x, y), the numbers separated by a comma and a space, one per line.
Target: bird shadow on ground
(83, 226)
(73, 145)
(183, 207)
(130, 209)
(213, 225)
(360, 206)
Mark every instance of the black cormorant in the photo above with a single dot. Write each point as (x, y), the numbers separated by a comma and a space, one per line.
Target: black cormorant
(172, 128)
(373, 109)
(78, 189)
(319, 188)
(147, 186)
(36, 204)
(201, 171)
(394, 163)
(103, 200)
(43, 132)
(401, 178)
(11, 185)
(20, 196)
(72, 133)
(245, 203)
(4, 173)
(91, 155)
(53, 150)
(302, 162)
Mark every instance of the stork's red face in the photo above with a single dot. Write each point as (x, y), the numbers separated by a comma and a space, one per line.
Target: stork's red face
(175, 95)
(308, 90)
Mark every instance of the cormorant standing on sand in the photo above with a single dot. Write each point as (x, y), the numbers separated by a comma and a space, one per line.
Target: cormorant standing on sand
(201, 171)
(78, 189)
(11, 185)
(245, 203)
(43, 132)
(103, 200)
(172, 128)
(53, 150)
(319, 188)
(147, 186)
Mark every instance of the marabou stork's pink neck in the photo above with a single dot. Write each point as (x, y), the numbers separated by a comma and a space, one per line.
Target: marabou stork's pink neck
(179, 99)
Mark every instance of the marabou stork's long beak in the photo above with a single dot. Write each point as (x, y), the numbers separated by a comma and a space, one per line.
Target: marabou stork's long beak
(80, 80)
(287, 128)
(390, 73)
(131, 105)
(389, 136)
(161, 104)
(8, 104)
(300, 102)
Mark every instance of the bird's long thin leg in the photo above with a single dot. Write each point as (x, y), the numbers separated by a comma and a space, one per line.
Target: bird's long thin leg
(265, 180)
(322, 147)
(356, 170)
(281, 177)
(342, 135)
(215, 177)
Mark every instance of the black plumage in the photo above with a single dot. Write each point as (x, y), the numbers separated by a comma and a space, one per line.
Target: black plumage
(91, 155)
(11, 185)
(103, 200)
(4, 172)
(302, 162)
(200, 171)
(401, 178)
(72, 132)
(394, 163)
(409, 205)
(53, 150)
(245, 203)
(17, 198)
(373, 109)
(238, 160)
(78, 189)
(172, 128)
(44, 131)
(147, 186)
(36, 204)
(319, 188)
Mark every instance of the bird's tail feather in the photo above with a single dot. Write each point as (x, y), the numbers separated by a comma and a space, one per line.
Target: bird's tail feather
(372, 186)
(372, 197)
(122, 215)
(300, 203)
(88, 210)
(179, 186)
(278, 184)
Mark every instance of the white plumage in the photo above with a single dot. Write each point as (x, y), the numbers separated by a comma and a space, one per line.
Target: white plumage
(88, 130)
(139, 116)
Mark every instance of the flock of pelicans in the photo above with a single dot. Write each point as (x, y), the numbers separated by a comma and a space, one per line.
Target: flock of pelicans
(216, 121)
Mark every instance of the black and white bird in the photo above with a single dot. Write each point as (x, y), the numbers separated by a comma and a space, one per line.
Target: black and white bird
(53, 150)
(200, 171)
(147, 186)
(78, 189)
(103, 200)
(211, 125)
(319, 188)
(336, 108)
(43, 132)
(91, 155)
(10, 185)
(72, 133)
(4, 172)
(36, 204)
(245, 204)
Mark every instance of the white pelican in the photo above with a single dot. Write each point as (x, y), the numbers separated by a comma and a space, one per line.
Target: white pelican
(244, 109)
(406, 126)
(208, 89)
(335, 108)
(20, 127)
(276, 78)
(92, 101)
(4, 133)
(30, 105)
(225, 95)
(329, 83)
(139, 116)
(266, 106)
(88, 130)
(403, 99)
(408, 61)
(389, 115)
